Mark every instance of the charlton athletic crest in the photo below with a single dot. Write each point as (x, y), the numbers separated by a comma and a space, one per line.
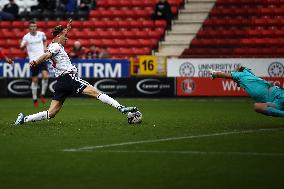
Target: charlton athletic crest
(188, 86)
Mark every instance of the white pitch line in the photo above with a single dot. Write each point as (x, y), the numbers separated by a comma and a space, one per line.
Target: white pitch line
(195, 152)
(87, 148)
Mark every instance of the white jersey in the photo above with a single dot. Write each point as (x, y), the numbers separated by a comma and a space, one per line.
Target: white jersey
(35, 46)
(60, 60)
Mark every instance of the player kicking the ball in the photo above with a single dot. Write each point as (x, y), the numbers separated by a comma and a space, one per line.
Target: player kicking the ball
(269, 99)
(68, 82)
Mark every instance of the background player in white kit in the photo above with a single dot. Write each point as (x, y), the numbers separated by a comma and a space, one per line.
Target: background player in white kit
(68, 82)
(35, 43)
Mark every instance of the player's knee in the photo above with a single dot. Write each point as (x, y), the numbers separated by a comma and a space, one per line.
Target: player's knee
(45, 75)
(34, 79)
(91, 91)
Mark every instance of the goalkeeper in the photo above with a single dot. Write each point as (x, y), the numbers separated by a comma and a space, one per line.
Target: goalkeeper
(269, 99)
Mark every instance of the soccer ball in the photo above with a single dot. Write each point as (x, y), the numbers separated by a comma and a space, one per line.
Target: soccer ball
(134, 118)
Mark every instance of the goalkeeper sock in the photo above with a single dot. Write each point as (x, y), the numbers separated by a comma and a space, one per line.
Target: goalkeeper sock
(36, 117)
(274, 112)
(34, 90)
(108, 100)
(44, 84)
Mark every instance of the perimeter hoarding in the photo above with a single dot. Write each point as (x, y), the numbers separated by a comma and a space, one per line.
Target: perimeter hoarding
(117, 87)
(96, 68)
(199, 67)
(219, 87)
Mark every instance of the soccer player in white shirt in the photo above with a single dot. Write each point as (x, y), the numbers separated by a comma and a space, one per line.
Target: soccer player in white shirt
(35, 44)
(68, 82)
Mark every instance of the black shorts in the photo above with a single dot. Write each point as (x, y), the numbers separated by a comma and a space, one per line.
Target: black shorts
(35, 70)
(68, 84)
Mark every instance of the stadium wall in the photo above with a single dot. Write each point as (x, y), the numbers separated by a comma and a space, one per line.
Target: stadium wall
(142, 87)
(262, 67)
(185, 77)
(118, 87)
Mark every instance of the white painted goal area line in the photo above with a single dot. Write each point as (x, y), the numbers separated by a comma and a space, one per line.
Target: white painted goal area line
(89, 148)
(194, 152)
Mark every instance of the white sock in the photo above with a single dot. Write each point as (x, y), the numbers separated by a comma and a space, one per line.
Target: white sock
(34, 90)
(108, 100)
(36, 117)
(44, 84)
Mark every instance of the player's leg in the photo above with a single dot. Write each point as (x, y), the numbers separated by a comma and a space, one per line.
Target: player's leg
(44, 85)
(268, 109)
(93, 92)
(54, 108)
(34, 87)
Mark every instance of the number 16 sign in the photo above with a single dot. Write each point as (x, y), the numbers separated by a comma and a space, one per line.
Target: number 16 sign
(147, 65)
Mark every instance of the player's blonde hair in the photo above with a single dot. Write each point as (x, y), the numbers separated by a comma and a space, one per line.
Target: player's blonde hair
(57, 30)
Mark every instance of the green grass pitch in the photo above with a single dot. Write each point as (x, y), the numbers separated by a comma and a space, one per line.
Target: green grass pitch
(182, 143)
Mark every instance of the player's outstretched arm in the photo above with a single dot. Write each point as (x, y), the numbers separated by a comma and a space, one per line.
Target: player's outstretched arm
(41, 59)
(218, 74)
(68, 27)
(223, 75)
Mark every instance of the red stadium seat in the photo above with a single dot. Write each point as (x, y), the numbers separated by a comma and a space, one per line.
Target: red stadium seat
(116, 34)
(108, 43)
(5, 24)
(154, 34)
(77, 24)
(126, 51)
(17, 53)
(136, 24)
(124, 23)
(95, 24)
(141, 51)
(81, 35)
(102, 3)
(85, 42)
(114, 51)
(104, 34)
(126, 3)
(174, 10)
(129, 34)
(93, 34)
(118, 23)
(161, 23)
(119, 43)
(113, 3)
(111, 24)
(97, 42)
(118, 14)
(9, 34)
(52, 24)
(41, 25)
(141, 34)
(141, 13)
(148, 24)
(13, 43)
(131, 43)
(3, 43)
